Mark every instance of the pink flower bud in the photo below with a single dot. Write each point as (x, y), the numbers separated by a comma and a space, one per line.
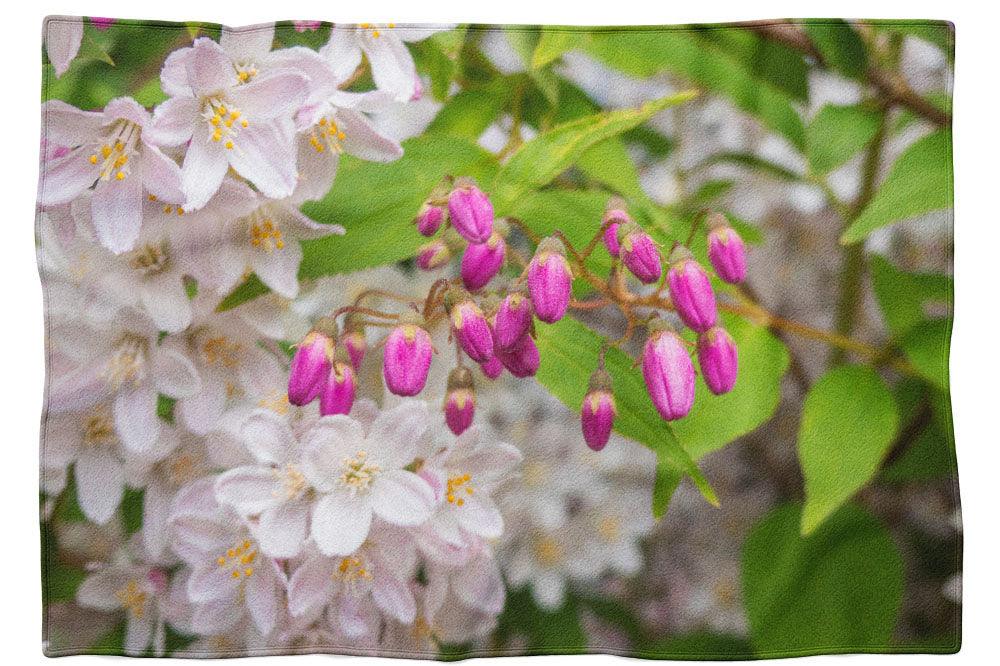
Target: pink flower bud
(726, 250)
(433, 255)
(668, 372)
(460, 401)
(718, 358)
(429, 219)
(522, 358)
(101, 22)
(492, 368)
(614, 217)
(691, 291)
(338, 392)
(597, 414)
(356, 345)
(639, 253)
(470, 211)
(513, 320)
(407, 357)
(310, 366)
(481, 261)
(469, 326)
(549, 280)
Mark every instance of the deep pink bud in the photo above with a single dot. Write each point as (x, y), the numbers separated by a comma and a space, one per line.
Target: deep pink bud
(407, 357)
(492, 368)
(460, 401)
(310, 366)
(355, 343)
(726, 251)
(669, 373)
(433, 255)
(338, 392)
(469, 326)
(614, 216)
(481, 261)
(718, 358)
(429, 219)
(549, 280)
(597, 414)
(470, 212)
(101, 22)
(522, 358)
(639, 253)
(691, 291)
(513, 320)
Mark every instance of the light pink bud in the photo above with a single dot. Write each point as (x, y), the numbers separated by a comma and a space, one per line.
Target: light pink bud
(407, 357)
(339, 391)
(469, 326)
(470, 212)
(550, 280)
(356, 345)
(481, 261)
(691, 291)
(597, 414)
(492, 368)
(719, 360)
(522, 358)
(429, 220)
(669, 373)
(726, 251)
(433, 255)
(639, 253)
(310, 366)
(513, 320)
(460, 401)
(614, 217)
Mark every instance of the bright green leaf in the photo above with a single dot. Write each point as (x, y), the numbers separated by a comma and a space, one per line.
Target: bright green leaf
(553, 42)
(849, 421)
(837, 134)
(840, 45)
(904, 296)
(926, 346)
(471, 111)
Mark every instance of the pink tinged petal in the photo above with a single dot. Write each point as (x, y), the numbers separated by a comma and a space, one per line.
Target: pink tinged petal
(394, 598)
(66, 125)
(210, 583)
(116, 209)
(173, 75)
(249, 490)
(317, 170)
(311, 585)
(215, 617)
(98, 590)
(65, 178)
(173, 122)
(166, 301)
(282, 530)
(279, 269)
(209, 70)
(155, 513)
(268, 437)
(355, 616)
(262, 598)
(63, 37)
(402, 498)
(138, 631)
(126, 108)
(397, 432)
(343, 51)
(306, 228)
(362, 140)
(330, 440)
(100, 484)
(270, 96)
(322, 80)
(480, 585)
(160, 175)
(205, 165)
(202, 413)
(480, 516)
(392, 67)
(265, 155)
(247, 43)
(175, 374)
(340, 523)
(136, 420)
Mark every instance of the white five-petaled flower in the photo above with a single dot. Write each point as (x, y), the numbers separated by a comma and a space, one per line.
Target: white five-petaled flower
(231, 121)
(357, 467)
(114, 149)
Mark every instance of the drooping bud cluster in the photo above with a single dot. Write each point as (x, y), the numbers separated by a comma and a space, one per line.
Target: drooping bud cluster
(311, 363)
(482, 261)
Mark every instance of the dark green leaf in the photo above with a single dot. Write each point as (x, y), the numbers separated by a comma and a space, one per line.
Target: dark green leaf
(840, 46)
(837, 134)
(903, 297)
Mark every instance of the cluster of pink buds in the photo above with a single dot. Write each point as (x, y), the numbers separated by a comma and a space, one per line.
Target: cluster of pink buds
(323, 367)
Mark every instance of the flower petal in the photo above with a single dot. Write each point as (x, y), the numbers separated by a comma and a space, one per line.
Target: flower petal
(265, 155)
(402, 498)
(100, 484)
(63, 36)
(340, 523)
(136, 420)
(282, 529)
(268, 437)
(205, 165)
(66, 177)
(247, 43)
(249, 490)
(311, 585)
(209, 70)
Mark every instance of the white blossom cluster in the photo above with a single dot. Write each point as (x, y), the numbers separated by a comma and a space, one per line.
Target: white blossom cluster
(264, 525)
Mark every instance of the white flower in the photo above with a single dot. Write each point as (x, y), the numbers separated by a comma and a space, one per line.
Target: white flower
(114, 149)
(63, 36)
(246, 126)
(357, 469)
(230, 577)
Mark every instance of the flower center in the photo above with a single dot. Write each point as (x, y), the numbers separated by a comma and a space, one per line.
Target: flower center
(548, 551)
(325, 134)
(276, 401)
(239, 560)
(226, 121)
(128, 362)
(113, 154)
(458, 485)
(264, 234)
(374, 29)
(133, 598)
(220, 350)
(351, 570)
(292, 480)
(358, 472)
(609, 528)
(245, 71)
(98, 428)
(149, 259)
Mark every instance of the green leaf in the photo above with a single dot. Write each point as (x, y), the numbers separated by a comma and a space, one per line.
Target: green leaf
(547, 631)
(837, 134)
(569, 355)
(645, 53)
(767, 60)
(837, 590)
(471, 111)
(920, 182)
(553, 42)
(904, 296)
(840, 46)
(931, 453)
(376, 203)
(926, 345)
(131, 510)
(543, 158)
(849, 421)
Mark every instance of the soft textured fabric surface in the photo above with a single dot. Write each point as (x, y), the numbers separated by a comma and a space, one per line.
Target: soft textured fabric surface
(461, 340)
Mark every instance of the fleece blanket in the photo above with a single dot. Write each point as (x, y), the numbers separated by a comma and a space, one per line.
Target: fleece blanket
(458, 340)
